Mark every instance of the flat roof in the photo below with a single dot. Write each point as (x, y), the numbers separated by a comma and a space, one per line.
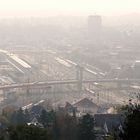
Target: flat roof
(20, 61)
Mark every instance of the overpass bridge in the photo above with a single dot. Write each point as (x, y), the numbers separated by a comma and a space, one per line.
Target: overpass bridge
(90, 88)
(48, 84)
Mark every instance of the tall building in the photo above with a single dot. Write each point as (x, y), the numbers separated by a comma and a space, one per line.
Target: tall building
(94, 27)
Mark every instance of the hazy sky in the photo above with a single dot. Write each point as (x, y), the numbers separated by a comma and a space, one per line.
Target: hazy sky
(14, 8)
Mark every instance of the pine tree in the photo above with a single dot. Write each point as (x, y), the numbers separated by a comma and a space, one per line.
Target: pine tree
(44, 118)
(86, 128)
(131, 129)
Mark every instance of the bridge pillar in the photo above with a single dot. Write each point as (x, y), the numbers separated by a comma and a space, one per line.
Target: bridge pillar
(79, 77)
(98, 98)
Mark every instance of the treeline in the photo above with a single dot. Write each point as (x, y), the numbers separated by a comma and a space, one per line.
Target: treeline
(131, 127)
(60, 125)
(49, 125)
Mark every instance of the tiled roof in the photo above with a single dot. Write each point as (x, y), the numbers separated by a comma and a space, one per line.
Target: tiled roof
(112, 120)
(85, 103)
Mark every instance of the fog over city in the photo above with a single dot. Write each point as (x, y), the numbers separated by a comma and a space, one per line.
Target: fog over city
(82, 54)
(18, 8)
